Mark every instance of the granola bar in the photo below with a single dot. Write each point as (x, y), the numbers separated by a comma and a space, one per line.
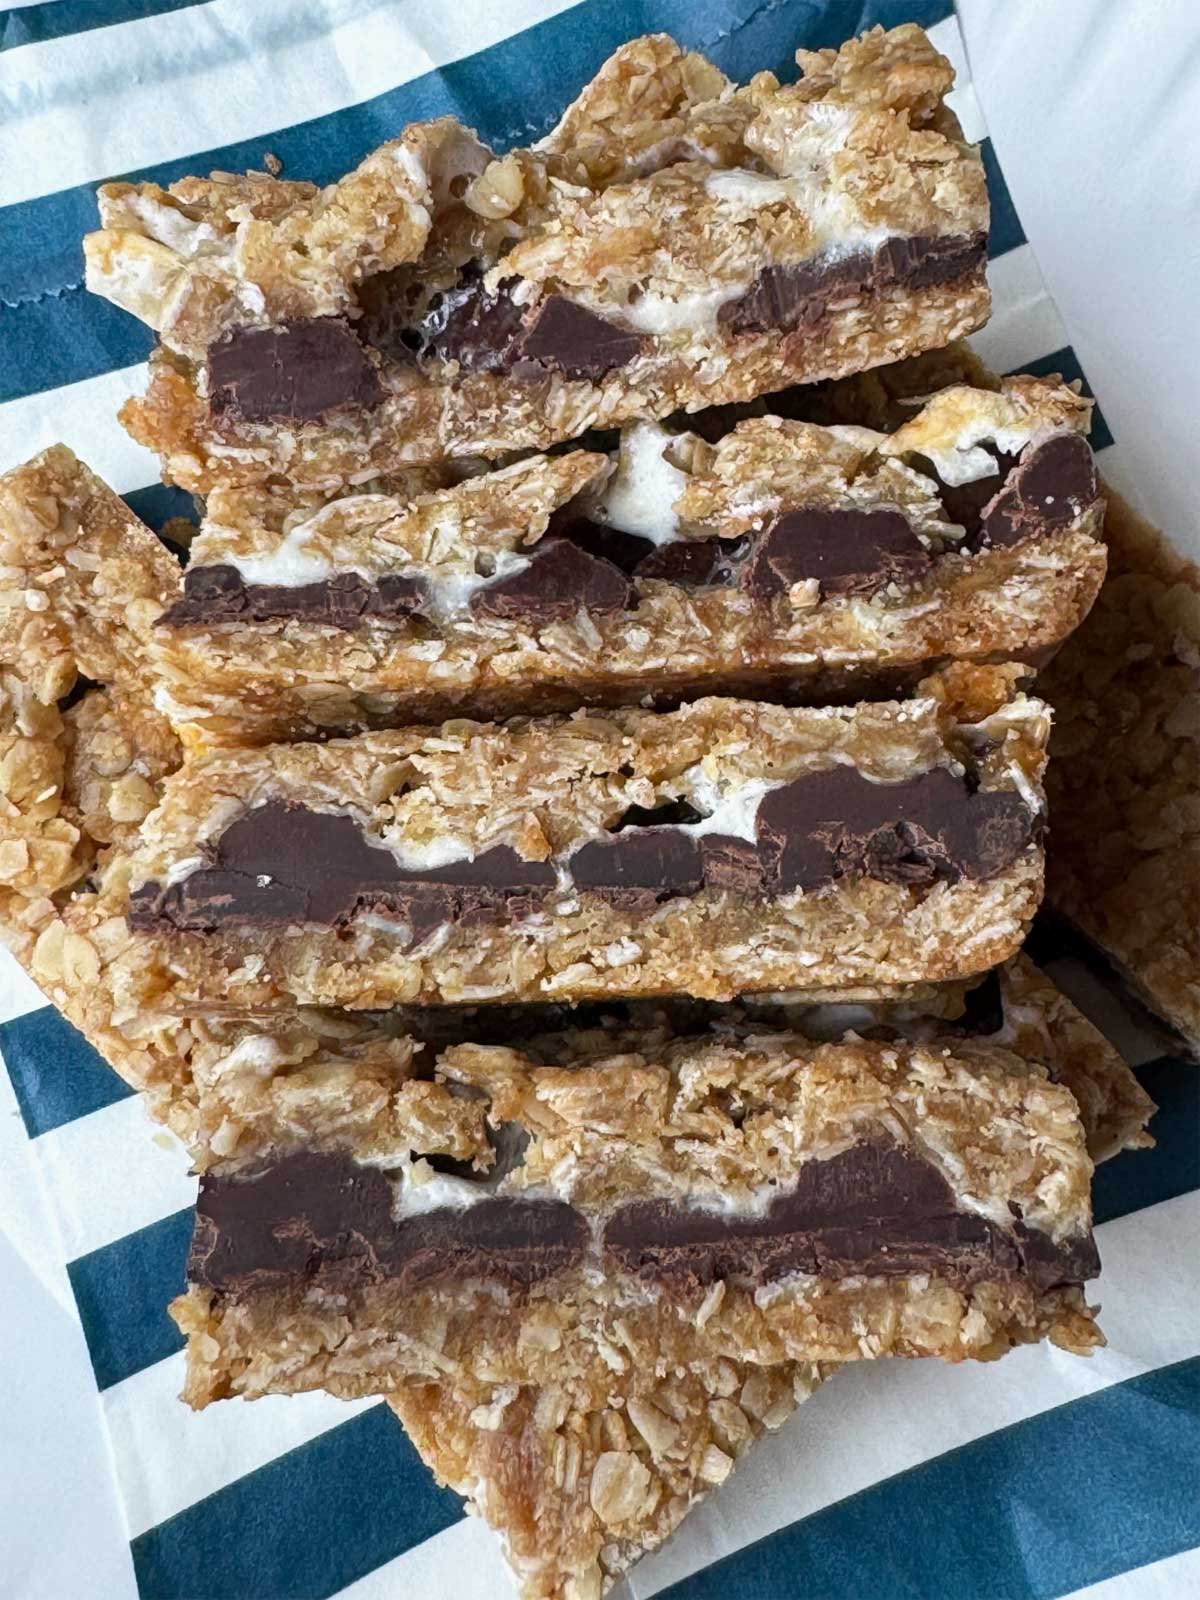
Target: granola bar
(675, 242)
(582, 1477)
(79, 766)
(85, 581)
(781, 558)
(725, 847)
(761, 1199)
(1125, 862)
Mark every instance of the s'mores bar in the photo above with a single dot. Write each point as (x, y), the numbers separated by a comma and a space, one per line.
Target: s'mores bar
(785, 1200)
(675, 242)
(778, 557)
(726, 847)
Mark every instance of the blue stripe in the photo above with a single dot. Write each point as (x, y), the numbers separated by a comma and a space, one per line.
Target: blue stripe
(158, 503)
(55, 18)
(62, 338)
(304, 1526)
(1081, 1493)
(1141, 1178)
(1066, 363)
(550, 61)
(121, 1292)
(56, 1075)
(1006, 231)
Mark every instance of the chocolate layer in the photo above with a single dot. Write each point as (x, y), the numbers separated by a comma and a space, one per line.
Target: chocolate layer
(561, 579)
(299, 372)
(306, 369)
(284, 864)
(876, 1210)
(815, 831)
(845, 551)
(783, 298)
(584, 565)
(487, 331)
(696, 563)
(934, 827)
(216, 595)
(320, 1221)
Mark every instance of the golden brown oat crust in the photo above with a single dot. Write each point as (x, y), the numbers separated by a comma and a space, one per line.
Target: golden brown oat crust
(1124, 857)
(580, 1479)
(83, 583)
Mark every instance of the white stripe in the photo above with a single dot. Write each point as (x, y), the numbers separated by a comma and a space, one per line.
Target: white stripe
(63, 1533)
(162, 87)
(113, 1171)
(1171, 1579)
(1025, 323)
(83, 415)
(875, 1419)
(167, 1456)
(946, 36)
(18, 992)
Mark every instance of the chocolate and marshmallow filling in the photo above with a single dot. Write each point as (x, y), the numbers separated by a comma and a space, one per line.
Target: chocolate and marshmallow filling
(311, 368)
(283, 863)
(593, 562)
(319, 1221)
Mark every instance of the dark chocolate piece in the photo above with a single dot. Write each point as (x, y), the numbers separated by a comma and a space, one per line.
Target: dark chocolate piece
(213, 595)
(570, 339)
(1053, 483)
(934, 827)
(695, 563)
(490, 332)
(320, 1221)
(561, 579)
(847, 551)
(921, 262)
(732, 865)
(797, 295)
(477, 329)
(875, 1209)
(298, 372)
(283, 863)
(624, 550)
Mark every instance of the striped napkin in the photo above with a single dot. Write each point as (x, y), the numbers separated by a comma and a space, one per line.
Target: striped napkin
(1043, 1476)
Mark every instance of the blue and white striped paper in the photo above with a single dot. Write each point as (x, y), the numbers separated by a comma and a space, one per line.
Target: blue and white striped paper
(1044, 1476)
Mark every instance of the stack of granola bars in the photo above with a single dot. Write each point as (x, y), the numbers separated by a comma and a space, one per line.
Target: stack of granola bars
(558, 850)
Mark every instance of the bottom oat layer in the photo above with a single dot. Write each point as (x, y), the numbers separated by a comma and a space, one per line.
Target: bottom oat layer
(580, 1479)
